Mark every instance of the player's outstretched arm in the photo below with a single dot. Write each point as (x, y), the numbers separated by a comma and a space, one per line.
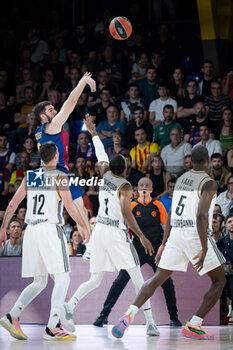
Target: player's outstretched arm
(10, 210)
(101, 155)
(72, 209)
(125, 199)
(68, 106)
(209, 190)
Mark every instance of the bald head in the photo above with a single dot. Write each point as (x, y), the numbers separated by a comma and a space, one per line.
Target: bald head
(200, 155)
(145, 188)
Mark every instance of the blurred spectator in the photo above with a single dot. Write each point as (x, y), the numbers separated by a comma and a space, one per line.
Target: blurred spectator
(25, 62)
(105, 129)
(187, 165)
(93, 190)
(148, 88)
(132, 175)
(13, 246)
(177, 84)
(213, 146)
(82, 248)
(167, 198)
(217, 209)
(25, 80)
(99, 110)
(49, 83)
(226, 133)
(215, 105)
(143, 152)
(84, 149)
(24, 108)
(75, 239)
(157, 61)
(67, 227)
(24, 166)
(139, 67)
(174, 153)
(157, 106)
(20, 134)
(55, 64)
(7, 156)
(82, 43)
(20, 215)
(219, 172)
(230, 159)
(200, 117)
(54, 97)
(227, 83)
(129, 105)
(217, 223)
(225, 245)
(162, 131)
(186, 105)
(117, 148)
(224, 200)
(6, 87)
(6, 114)
(158, 177)
(75, 62)
(136, 122)
(30, 146)
(101, 83)
(208, 76)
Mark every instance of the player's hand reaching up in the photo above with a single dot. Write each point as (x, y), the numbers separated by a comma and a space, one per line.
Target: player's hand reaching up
(2, 237)
(91, 82)
(147, 245)
(201, 257)
(90, 125)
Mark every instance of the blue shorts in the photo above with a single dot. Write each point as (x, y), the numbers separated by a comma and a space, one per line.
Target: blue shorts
(75, 190)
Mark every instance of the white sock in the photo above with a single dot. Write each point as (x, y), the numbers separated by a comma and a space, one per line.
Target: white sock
(195, 320)
(148, 315)
(132, 310)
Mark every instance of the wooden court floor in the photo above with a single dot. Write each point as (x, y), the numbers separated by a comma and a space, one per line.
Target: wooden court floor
(94, 338)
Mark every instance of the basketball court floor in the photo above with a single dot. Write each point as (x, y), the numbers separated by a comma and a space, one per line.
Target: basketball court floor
(94, 338)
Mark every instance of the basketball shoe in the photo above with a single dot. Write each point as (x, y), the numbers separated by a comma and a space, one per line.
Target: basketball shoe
(151, 329)
(57, 333)
(11, 324)
(196, 332)
(119, 329)
(67, 318)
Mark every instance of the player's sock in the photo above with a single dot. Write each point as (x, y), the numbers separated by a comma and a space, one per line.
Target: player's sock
(132, 310)
(54, 318)
(72, 303)
(195, 320)
(17, 309)
(148, 315)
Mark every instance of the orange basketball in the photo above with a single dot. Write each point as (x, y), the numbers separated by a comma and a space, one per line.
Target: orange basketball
(120, 28)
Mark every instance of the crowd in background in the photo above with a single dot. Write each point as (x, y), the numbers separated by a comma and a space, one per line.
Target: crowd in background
(148, 106)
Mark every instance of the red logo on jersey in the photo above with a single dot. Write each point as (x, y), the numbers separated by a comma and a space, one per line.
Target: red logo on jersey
(138, 213)
(153, 213)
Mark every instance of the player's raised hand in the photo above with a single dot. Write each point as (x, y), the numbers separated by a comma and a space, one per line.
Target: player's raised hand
(158, 255)
(2, 237)
(201, 257)
(90, 125)
(91, 82)
(147, 245)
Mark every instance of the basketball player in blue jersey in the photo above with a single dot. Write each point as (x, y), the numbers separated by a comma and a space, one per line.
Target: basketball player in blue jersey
(52, 130)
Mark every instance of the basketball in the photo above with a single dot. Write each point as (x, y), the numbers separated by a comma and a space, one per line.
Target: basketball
(120, 28)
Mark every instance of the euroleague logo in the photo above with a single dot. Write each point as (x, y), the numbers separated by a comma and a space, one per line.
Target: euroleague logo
(138, 214)
(153, 213)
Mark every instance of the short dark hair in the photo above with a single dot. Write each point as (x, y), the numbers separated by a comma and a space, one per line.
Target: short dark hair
(230, 215)
(13, 220)
(133, 85)
(47, 151)
(199, 154)
(139, 128)
(168, 107)
(162, 84)
(40, 109)
(151, 67)
(117, 164)
(138, 108)
(206, 125)
(3, 134)
(172, 180)
(208, 61)
(216, 156)
(29, 88)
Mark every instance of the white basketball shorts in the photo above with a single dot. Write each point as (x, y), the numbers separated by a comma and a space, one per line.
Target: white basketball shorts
(111, 248)
(182, 246)
(44, 250)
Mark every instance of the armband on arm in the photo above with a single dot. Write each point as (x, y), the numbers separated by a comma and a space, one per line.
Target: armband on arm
(99, 150)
